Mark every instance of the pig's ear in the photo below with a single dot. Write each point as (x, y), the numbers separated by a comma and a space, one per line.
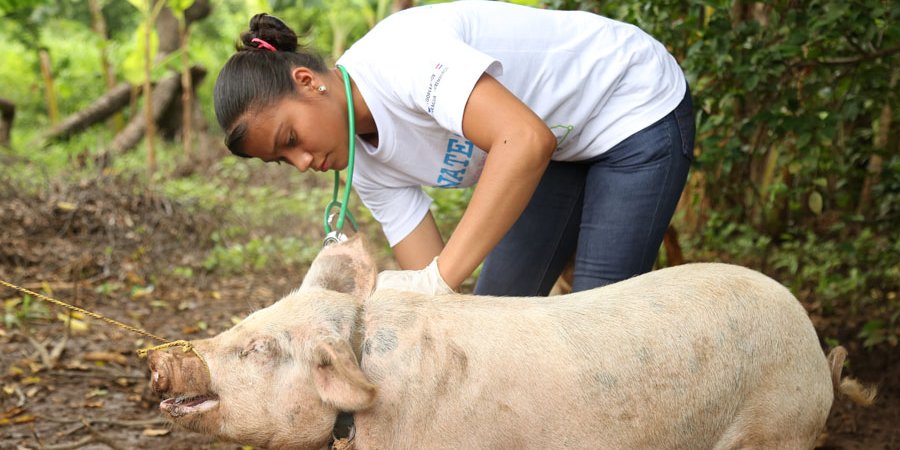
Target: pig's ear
(345, 267)
(338, 378)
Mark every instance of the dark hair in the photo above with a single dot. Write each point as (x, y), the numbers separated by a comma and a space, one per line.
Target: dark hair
(255, 77)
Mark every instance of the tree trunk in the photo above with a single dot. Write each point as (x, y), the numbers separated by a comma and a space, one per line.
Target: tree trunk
(7, 114)
(103, 108)
(167, 27)
(173, 35)
(172, 124)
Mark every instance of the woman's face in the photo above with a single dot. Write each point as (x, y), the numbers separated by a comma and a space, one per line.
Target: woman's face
(307, 133)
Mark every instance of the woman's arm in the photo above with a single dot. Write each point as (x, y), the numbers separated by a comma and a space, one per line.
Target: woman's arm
(420, 246)
(519, 146)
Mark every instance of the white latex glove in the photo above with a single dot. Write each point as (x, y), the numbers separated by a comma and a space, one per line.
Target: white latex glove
(427, 281)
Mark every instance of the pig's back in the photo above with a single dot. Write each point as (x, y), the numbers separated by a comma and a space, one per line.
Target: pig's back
(695, 352)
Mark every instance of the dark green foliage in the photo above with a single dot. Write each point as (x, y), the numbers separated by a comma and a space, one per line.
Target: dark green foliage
(797, 106)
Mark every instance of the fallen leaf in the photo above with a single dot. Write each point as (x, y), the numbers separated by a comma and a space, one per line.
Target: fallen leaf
(73, 322)
(35, 366)
(186, 305)
(155, 432)
(66, 206)
(96, 393)
(134, 278)
(31, 380)
(106, 356)
(17, 420)
(14, 411)
(95, 404)
(76, 365)
(140, 292)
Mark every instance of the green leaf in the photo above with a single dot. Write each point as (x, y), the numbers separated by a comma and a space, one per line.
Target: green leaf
(9, 6)
(179, 6)
(815, 202)
(142, 5)
(133, 67)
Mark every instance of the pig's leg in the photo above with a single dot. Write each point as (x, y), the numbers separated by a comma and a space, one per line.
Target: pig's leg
(777, 417)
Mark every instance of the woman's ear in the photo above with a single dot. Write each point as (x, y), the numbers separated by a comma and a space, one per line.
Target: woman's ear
(304, 78)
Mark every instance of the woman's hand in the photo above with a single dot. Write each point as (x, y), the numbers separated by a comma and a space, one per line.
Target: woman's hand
(426, 281)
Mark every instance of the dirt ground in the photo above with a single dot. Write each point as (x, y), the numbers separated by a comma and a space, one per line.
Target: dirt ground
(99, 247)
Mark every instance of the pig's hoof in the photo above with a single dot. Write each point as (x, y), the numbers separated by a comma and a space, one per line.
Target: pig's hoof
(183, 405)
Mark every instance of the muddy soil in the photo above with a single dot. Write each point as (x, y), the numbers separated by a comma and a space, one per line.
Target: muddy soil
(104, 247)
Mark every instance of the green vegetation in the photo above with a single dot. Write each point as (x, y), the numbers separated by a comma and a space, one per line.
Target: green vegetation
(17, 312)
(797, 148)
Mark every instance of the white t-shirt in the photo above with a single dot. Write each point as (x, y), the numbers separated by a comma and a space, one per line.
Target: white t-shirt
(594, 81)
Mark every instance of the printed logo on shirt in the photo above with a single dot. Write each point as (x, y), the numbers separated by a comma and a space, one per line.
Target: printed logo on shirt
(456, 162)
(431, 94)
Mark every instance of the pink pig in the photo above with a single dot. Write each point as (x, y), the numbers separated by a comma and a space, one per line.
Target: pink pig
(696, 356)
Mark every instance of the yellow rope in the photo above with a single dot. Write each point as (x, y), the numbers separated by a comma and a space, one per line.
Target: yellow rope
(185, 345)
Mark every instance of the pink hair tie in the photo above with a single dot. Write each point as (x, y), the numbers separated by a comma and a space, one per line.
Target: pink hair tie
(263, 44)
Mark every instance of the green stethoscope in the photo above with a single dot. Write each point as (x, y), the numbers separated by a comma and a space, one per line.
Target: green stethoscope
(335, 235)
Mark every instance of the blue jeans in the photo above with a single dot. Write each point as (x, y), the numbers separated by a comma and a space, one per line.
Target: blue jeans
(611, 212)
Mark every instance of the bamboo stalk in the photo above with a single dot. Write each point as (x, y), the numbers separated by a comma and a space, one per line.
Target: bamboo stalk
(47, 72)
(150, 126)
(187, 92)
(99, 25)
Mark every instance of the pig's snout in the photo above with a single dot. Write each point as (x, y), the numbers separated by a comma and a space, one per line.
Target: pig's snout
(177, 372)
(159, 371)
(182, 378)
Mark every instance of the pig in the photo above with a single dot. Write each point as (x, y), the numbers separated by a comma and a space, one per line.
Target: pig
(703, 355)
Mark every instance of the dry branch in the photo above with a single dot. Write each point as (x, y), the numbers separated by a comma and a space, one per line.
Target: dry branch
(134, 131)
(103, 108)
(163, 97)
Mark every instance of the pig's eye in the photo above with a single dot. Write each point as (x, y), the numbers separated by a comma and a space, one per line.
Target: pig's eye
(257, 346)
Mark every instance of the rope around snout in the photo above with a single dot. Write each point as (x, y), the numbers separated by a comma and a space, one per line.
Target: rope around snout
(142, 353)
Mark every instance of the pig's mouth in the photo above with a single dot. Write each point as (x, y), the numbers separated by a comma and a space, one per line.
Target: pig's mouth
(182, 405)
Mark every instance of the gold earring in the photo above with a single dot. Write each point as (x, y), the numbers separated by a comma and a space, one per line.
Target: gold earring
(322, 88)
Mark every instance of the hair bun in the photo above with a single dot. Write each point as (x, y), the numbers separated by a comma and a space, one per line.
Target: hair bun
(272, 30)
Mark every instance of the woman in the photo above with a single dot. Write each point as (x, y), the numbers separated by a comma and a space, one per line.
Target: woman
(577, 128)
